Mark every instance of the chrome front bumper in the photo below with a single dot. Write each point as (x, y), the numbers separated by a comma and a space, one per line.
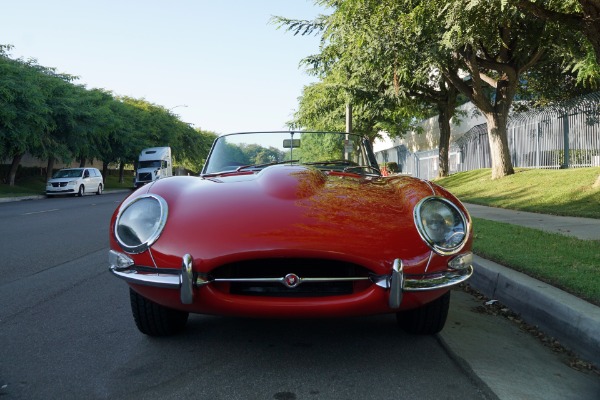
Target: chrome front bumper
(460, 268)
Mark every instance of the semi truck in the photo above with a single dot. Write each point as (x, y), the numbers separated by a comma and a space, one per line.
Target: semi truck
(154, 163)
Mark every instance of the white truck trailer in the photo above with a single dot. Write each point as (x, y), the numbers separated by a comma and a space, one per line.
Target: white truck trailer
(154, 163)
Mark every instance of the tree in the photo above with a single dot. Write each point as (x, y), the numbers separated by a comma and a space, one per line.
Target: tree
(496, 46)
(61, 97)
(381, 56)
(386, 45)
(428, 50)
(43, 113)
(578, 15)
(192, 146)
(23, 110)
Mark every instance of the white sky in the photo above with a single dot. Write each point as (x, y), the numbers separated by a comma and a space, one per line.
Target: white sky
(222, 59)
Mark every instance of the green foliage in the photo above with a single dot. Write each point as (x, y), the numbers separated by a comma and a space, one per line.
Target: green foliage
(316, 147)
(397, 62)
(45, 114)
(23, 107)
(391, 167)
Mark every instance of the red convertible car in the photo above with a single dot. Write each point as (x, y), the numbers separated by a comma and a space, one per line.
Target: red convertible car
(290, 225)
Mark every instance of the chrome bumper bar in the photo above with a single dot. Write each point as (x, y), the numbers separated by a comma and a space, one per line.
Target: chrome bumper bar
(396, 282)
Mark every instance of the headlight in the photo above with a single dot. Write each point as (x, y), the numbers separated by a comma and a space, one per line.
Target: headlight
(441, 224)
(140, 223)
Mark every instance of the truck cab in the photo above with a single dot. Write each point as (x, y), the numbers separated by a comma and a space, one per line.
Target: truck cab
(153, 163)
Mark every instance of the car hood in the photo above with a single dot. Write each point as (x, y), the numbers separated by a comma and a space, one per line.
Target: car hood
(290, 211)
(56, 180)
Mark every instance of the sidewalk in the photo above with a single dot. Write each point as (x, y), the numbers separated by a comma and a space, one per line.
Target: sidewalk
(582, 228)
(574, 322)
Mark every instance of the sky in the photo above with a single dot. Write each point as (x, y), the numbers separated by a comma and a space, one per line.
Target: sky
(221, 65)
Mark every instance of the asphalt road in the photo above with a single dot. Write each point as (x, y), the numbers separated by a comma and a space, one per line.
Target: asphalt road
(66, 332)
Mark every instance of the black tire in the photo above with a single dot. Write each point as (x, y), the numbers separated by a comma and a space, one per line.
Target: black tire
(426, 320)
(80, 191)
(99, 191)
(155, 320)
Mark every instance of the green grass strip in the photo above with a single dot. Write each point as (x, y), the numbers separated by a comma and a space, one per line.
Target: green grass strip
(572, 192)
(561, 261)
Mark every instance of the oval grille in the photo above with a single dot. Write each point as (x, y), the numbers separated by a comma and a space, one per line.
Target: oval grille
(302, 267)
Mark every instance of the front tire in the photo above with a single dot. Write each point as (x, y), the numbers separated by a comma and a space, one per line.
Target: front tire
(152, 319)
(80, 191)
(426, 320)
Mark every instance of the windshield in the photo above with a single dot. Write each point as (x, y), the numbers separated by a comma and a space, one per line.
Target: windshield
(68, 173)
(325, 150)
(149, 164)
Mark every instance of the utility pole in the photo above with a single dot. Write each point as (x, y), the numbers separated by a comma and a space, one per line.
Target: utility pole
(348, 118)
(348, 128)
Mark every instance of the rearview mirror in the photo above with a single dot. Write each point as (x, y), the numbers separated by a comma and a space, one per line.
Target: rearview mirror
(291, 143)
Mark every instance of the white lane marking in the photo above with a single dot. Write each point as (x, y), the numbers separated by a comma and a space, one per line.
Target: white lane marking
(41, 212)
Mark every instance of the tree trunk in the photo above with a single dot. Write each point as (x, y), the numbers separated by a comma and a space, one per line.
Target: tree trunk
(446, 111)
(446, 108)
(444, 146)
(499, 151)
(104, 170)
(121, 171)
(13, 169)
(50, 168)
(82, 162)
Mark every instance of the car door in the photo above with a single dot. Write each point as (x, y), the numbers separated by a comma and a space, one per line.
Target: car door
(88, 181)
(97, 178)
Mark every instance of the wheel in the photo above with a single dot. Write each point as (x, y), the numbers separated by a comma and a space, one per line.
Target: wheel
(426, 320)
(153, 319)
(80, 191)
(99, 191)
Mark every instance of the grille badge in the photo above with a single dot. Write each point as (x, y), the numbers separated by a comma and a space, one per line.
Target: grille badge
(291, 280)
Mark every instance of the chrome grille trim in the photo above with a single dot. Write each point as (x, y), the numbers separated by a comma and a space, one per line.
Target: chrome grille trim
(201, 281)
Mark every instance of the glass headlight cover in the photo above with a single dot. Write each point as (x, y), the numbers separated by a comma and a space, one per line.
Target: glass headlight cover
(140, 223)
(441, 224)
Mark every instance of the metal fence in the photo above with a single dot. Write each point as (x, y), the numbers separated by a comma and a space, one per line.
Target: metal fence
(562, 136)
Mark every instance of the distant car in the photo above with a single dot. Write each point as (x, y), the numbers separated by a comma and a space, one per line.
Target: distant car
(290, 225)
(75, 181)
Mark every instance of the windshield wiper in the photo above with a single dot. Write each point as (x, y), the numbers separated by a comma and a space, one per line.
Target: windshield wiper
(332, 162)
(367, 167)
(238, 169)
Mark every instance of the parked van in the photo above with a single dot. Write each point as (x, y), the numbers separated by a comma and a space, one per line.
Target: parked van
(75, 181)
(154, 163)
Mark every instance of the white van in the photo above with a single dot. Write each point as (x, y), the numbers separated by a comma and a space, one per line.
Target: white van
(154, 163)
(75, 181)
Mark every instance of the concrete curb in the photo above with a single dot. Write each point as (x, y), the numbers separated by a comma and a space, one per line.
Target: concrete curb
(43, 196)
(572, 321)
(20, 198)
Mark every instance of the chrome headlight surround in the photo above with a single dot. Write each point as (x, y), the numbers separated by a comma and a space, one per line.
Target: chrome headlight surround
(441, 224)
(140, 223)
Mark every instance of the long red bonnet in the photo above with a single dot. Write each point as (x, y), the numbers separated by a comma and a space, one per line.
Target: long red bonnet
(290, 211)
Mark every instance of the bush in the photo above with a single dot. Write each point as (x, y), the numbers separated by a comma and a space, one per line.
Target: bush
(391, 167)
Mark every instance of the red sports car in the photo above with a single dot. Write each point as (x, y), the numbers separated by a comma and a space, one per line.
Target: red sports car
(290, 225)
